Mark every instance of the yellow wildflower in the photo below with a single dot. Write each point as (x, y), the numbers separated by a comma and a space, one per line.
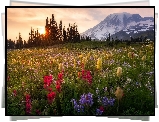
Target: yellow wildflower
(119, 71)
(84, 59)
(106, 56)
(144, 58)
(80, 56)
(88, 54)
(119, 93)
(130, 54)
(99, 63)
(74, 62)
(60, 66)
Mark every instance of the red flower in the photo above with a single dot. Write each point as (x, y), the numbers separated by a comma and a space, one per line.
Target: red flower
(38, 112)
(101, 108)
(48, 80)
(28, 107)
(60, 76)
(51, 97)
(27, 97)
(58, 82)
(86, 75)
(14, 92)
(45, 86)
(58, 87)
(50, 89)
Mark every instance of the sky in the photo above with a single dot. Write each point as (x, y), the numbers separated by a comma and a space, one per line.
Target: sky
(22, 19)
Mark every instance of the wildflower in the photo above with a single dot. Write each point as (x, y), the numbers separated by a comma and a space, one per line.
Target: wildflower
(74, 101)
(79, 74)
(28, 103)
(47, 80)
(38, 112)
(28, 107)
(60, 76)
(27, 97)
(105, 89)
(89, 77)
(119, 93)
(84, 59)
(77, 107)
(50, 89)
(135, 55)
(99, 63)
(80, 56)
(119, 71)
(99, 112)
(23, 83)
(111, 101)
(74, 62)
(82, 65)
(105, 101)
(45, 86)
(97, 91)
(51, 97)
(60, 67)
(86, 99)
(58, 87)
(106, 56)
(144, 58)
(86, 75)
(88, 54)
(131, 54)
(101, 108)
(14, 92)
(128, 80)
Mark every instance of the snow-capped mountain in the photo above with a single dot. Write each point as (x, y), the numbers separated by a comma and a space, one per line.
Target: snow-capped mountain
(129, 23)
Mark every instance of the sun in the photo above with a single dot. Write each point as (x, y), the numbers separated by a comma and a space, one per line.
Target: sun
(42, 30)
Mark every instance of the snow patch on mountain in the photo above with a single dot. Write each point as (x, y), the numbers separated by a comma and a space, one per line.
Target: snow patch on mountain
(120, 21)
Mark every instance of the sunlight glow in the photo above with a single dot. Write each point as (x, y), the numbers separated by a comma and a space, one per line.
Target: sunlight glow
(42, 30)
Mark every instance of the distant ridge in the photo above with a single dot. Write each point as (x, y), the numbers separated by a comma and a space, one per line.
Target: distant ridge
(124, 23)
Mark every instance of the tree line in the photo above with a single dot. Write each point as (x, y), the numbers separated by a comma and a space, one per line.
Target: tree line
(57, 34)
(54, 34)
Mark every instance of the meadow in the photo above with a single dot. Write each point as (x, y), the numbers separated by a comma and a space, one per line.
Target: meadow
(85, 78)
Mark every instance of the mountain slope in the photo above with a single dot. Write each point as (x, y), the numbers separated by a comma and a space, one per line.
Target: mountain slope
(130, 23)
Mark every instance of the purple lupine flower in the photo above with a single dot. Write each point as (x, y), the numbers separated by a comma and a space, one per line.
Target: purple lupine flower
(86, 99)
(111, 101)
(106, 101)
(99, 112)
(74, 101)
(82, 100)
(77, 107)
